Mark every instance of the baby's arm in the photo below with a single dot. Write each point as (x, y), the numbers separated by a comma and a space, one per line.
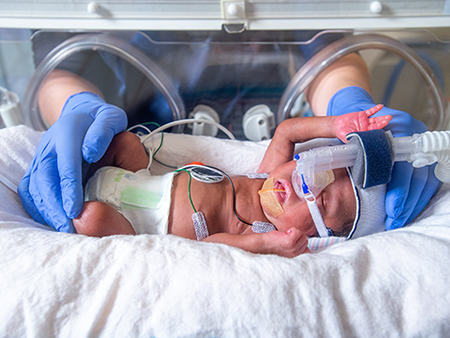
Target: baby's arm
(301, 129)
(125, 151)
(287, 244)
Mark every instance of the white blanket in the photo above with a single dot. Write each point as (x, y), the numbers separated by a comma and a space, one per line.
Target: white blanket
(54, 284)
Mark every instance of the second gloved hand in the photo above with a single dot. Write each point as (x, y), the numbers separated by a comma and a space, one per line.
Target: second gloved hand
(51, 190)
(410, 189)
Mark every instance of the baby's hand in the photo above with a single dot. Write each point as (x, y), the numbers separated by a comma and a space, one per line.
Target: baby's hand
(288, 244)
(360, 121)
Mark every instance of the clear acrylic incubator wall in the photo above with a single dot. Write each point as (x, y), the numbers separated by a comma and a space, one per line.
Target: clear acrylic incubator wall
(244, 64)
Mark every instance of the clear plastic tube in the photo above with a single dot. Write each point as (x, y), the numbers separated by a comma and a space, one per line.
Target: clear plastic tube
(113, 43)
(419, 149)
(436, 120)
(426, 149)
(321, 159)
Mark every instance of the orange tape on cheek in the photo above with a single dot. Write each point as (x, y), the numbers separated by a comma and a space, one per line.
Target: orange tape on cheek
(269, 199)
(270, 203)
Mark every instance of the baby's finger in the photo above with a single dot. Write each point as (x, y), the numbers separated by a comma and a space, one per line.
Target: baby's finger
(379, 122)
(300, 241)
(294, 232)
(374, 110)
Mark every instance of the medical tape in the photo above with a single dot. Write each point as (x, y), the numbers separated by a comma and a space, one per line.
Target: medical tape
(260, 227)
(269, 199)
(257, 175)
(201, 230)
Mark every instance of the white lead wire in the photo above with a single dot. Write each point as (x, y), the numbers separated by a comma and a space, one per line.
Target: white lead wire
(175, 123)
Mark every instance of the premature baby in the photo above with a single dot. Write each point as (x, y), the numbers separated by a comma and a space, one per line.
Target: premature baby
(336, 202)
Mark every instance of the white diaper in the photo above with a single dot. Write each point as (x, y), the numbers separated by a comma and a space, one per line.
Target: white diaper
(143, 199)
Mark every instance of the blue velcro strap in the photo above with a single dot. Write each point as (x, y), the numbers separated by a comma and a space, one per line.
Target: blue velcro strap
(374, 163)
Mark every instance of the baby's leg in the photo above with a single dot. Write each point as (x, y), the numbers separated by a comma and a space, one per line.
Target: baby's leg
(99, 219)
(125, 151)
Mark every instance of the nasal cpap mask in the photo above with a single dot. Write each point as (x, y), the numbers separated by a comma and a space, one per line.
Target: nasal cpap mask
(370, 155)
(307, 187)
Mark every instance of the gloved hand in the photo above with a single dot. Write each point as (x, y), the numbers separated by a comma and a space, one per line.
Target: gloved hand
(51, 190)
(410, 189)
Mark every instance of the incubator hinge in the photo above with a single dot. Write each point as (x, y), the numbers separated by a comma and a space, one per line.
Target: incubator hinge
(233, 13)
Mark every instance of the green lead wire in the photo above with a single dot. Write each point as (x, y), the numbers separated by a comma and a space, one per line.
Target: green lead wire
(162, 136)
(189, 187)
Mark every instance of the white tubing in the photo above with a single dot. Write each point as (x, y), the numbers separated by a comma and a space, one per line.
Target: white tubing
(433, 141)
(178, 123)
(186, 121)
(419, 149)
(426, 149)
(438, 143)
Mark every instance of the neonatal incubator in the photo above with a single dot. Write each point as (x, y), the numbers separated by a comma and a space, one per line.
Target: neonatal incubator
(244, 64)
(234, 67)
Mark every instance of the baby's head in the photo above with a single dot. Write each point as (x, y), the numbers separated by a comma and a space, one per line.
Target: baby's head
(370, 210)
(346, 210)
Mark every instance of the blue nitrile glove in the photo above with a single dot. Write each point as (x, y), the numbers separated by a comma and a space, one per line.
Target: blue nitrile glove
(410, 189)
(51, 190)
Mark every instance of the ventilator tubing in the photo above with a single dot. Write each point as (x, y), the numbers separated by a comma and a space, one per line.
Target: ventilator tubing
(419, 149)
(425, 149)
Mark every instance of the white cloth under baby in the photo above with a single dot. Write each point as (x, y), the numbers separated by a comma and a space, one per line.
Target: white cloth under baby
(143, 199)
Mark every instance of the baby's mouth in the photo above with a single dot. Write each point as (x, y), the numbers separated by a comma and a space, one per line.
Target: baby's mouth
(272, 194)
(282, 190)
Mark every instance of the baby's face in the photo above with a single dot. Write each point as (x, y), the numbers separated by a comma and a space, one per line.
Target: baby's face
(337, 203)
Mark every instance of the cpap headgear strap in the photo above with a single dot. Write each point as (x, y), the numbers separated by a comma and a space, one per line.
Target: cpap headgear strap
(368, 158)
(303, 191)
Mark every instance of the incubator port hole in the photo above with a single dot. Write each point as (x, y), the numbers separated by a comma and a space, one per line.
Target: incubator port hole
(226, 62)
(397, 84)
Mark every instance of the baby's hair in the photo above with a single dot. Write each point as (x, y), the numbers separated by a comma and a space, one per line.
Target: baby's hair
(346, 229)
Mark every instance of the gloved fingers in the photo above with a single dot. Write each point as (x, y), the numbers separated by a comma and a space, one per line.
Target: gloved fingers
(411, 205)
(82, 101)
(27, 200)
(431, 187)
(398, 189)
(46, 194)
(402, 124)
(109, 121)
(69, 171)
